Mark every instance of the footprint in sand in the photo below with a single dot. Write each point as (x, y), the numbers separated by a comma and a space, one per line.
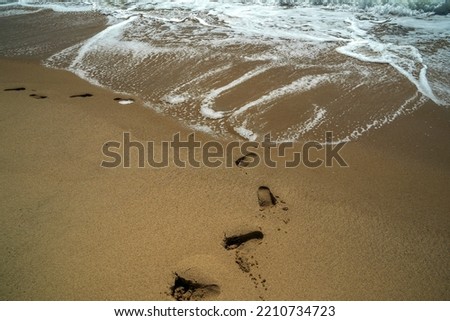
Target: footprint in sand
(272, 204)
(232, 242)
(266, 198)
(15, 89)
(82, 95)
(248, 160)
(124, 101)
(197, 278)
(36, 96)
(237, 242)
(249, 265)
(191, 288)
(243, 258)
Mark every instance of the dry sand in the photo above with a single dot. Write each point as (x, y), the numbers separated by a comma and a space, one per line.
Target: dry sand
(72, 230)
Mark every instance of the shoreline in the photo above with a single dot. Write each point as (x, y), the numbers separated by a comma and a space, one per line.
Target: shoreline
(377, 230)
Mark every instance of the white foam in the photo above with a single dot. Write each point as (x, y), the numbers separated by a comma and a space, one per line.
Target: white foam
(17, 12)
(90, 44)
(189, 18)
(296, 38)
(203, 128)
(406, 59)
(414, 102)
(175, 99)
(60, 6)
(245, 133)
(206, 108)
(293, 133)
(55, 59)
(300, 85)
(208, 112)
(202, 77)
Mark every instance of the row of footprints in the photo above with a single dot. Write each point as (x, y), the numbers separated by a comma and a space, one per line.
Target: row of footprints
(190, 287)
(122, 101)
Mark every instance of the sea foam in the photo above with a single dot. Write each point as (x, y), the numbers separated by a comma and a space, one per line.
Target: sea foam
(219, 37)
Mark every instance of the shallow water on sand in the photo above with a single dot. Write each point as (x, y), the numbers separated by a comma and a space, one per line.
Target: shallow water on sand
(247, 70)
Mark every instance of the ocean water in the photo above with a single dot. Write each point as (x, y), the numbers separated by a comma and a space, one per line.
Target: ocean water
(294, 69)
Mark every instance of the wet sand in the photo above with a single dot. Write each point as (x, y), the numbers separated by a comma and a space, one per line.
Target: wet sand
(41, 34)
(72, 230)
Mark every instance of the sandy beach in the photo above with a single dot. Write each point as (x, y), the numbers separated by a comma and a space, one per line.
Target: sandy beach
(377, 229)
(72, 230)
